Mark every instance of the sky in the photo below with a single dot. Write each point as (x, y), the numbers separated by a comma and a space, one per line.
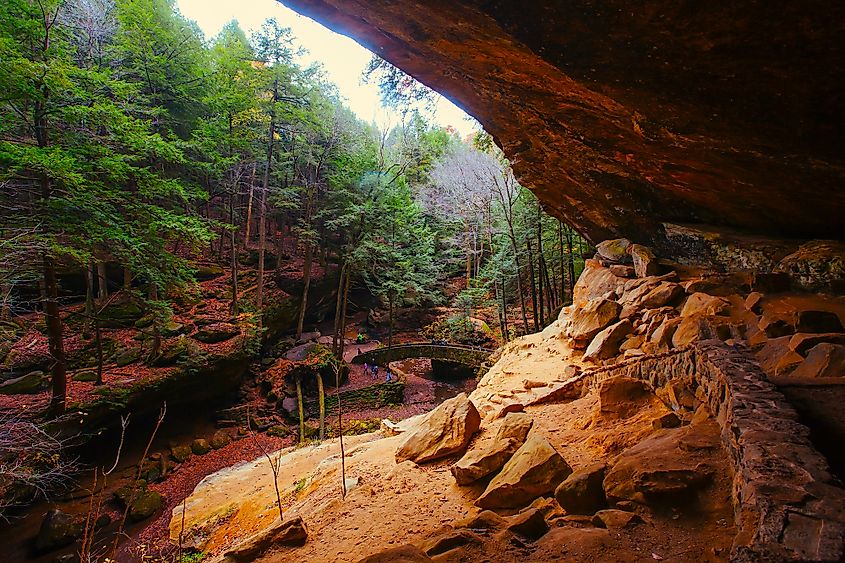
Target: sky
(342, 58)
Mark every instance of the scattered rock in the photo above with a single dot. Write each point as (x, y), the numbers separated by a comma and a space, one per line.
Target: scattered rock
(534, 470)
(703, 304)
(802, 342)
(615, 250)
(484, 520)
(443, 432)
(645, 263)
(447, 540)
(817, 321)
(823, 360)
(309, 336)
(582, 491)
(595, 281)
(127, 357)
(606, 343)
(615, 519)
(402, 554)
(145, 505)
(482, 461)
(180, 454)
(290, 532)
(621, 397)
(589, 320)
(529, 524)
(220, 439)
(86, 376)
(58, 529)
(754, 302)
(207, 272)
(216, 332)
(200, 446)
(27, 384)
(663, 334)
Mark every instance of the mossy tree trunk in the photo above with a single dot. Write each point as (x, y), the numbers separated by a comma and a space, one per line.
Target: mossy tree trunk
(301, 408)
(322, 398)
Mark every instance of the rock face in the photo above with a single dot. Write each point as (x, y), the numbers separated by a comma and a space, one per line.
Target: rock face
(443, 432)
(620, 120)
(217, 332)
(536, 469)
(480, 462)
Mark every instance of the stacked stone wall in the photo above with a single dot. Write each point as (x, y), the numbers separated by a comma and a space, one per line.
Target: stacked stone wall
(371, 397)
(788, 506)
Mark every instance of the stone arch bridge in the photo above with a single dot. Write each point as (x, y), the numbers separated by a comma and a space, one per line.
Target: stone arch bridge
(469, 356)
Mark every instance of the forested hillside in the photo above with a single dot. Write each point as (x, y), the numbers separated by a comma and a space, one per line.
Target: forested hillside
(130, 138)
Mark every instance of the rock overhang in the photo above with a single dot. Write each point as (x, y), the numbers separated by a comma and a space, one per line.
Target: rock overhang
(621, 118)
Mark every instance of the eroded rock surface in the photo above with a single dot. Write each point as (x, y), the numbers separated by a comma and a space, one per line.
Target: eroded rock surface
(443, 432)
(620, 119)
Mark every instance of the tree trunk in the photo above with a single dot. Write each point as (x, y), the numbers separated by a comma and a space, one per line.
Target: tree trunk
(322, 398)
(127, 278)
(102, 281)
(233, 263)
(89, 293)
(562, 264)
(390, 321)
(248, 224)
(55, 340)
(262, 214)
(99, 338)
(338, 308)
(301, 407)
(306, 282)
(343, 313)
(156, 332)
(533, 287)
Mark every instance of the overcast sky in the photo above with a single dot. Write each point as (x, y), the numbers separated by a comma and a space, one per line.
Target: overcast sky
(343, 58)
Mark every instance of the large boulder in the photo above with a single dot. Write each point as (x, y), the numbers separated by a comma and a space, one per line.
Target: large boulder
(443, 432)
(582, 492)
(823, 360)
(536, 469)
(816, 265)
(290, 532)
(145, 505)
(28, 384)
(58, 529)
(595, 281)
(650, 296)
(645, 262)
(486, 459)
(217, 332)
(592, 318)
(666, 468)
(704, 304)
(614, 250)
(606, 343)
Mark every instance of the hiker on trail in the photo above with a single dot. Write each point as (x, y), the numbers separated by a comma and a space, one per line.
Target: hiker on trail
(389, 376)
(366, 367)
(375, 372)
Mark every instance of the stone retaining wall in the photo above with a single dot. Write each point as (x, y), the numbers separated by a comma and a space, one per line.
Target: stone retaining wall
(787, 504)
(466, 355)
(371, 397)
